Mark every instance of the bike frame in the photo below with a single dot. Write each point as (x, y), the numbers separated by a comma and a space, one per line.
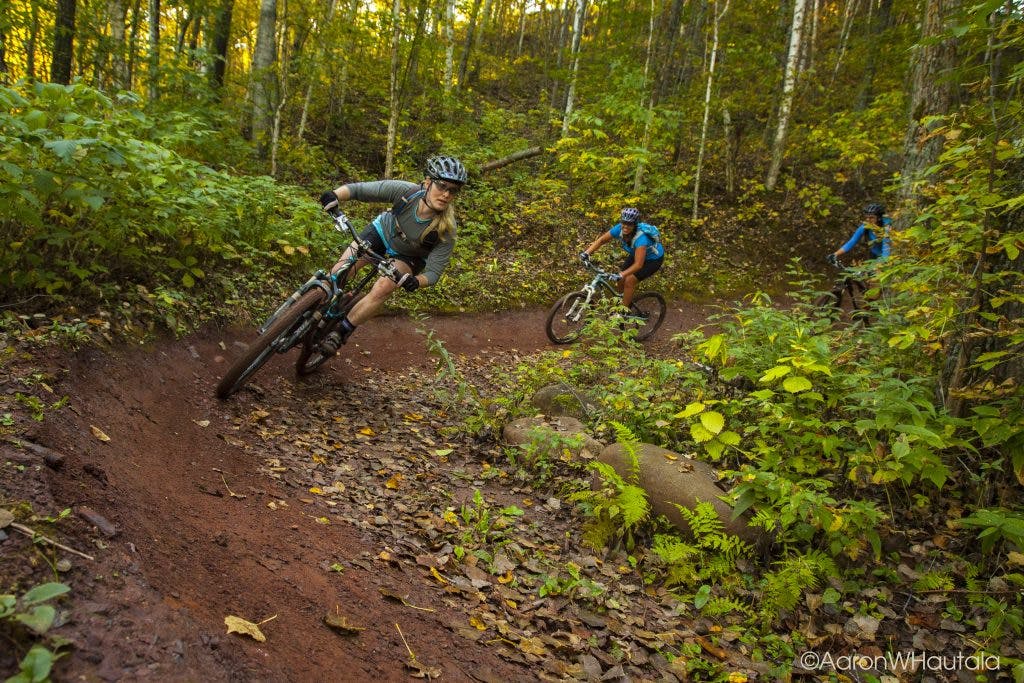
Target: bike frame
(333, 284)
(602, 281)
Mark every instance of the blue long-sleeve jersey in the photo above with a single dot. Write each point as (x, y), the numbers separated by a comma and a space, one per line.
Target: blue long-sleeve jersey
(879, 247)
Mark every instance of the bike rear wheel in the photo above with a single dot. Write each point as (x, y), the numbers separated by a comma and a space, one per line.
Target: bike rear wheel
(649, 310)
(567, 318)
(311, 356)
(260, 351)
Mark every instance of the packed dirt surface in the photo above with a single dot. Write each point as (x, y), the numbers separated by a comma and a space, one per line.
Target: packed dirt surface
(312, 508)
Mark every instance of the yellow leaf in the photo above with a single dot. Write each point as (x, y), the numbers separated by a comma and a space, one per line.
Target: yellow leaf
(477, 624)
(413, 416)
(532, 646)
(288, 249)
(737, 677)
(507, 577)
(511, 604)
(366, 431)
(339, 622)
(437, 575)
(317, 490)
(319, 460)
(247, 628)
(450, 517)
(393, 482)
(323, 520)
(1015, 558)
(98, 433)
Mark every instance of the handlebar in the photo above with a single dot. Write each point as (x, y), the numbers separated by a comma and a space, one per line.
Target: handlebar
(385, 265)
(599, 271)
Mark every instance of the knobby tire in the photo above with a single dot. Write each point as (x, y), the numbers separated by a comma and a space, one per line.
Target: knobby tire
(311, 356)
(260, 351)
(556, 317)
(650, 306)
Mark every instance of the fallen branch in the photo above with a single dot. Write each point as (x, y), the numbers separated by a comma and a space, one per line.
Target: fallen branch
(37, 536)
(511, 158)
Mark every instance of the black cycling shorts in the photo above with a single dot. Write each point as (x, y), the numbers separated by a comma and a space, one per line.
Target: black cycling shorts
(650, 267)
(371, 235)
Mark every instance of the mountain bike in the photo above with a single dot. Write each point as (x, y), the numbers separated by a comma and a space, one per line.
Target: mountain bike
(847, 291)
(312, 312)
(569, 315)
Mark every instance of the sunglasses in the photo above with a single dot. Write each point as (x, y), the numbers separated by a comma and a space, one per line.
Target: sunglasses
(445, 187)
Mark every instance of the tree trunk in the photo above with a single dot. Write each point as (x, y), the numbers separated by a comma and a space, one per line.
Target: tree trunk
(414, 52)
(563, 21)
(474, 73)
(154, 49)
(313, 79)
(788, 86)
(117, 15)
(133, 40)
(511, 158)
(577, 35)
(449, 47)
(522, 27)
(396, 44)
(63, 42)
(930, 95)
(33, 37)
(220, 41)
(263, 62)
(844, 34)
(707, 105)
(649, 92)
(468, 47)
(878, 28)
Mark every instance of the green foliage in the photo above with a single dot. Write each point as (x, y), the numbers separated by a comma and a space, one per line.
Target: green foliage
(32, 615)
(711, 555)
(996, 525)
(101, 206)
(618, 511)
(792, 578)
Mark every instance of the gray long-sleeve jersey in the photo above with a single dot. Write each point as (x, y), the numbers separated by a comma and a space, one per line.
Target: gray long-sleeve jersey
(406, 241)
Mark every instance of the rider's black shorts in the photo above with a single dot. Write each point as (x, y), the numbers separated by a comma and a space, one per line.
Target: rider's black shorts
(649, 268)
(371, 235)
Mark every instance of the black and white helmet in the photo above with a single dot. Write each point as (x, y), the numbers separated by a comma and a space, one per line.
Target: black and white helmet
(875, 209)
(442, 167)
(630, 215)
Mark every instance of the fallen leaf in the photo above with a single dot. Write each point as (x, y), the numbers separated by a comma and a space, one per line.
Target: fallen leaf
(6, 517)
(366, 431)
(711, 648)
(532, 646)
(423, 671)
(202, 423)
(98, 433)
(340, 623)
(240, 625)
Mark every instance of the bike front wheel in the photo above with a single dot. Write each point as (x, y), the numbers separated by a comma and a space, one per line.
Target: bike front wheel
(649, 311)
(260, 351)
(567, 318)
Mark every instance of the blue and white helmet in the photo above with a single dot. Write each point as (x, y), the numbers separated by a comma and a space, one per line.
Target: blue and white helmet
(442, 167)
(630, 215)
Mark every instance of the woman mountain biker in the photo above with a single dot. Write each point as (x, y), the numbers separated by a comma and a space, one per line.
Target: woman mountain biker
(418, 232)
(879, 247)
(644, 251)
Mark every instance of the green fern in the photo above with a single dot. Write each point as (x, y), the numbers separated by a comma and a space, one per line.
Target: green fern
(617, 511)
(931, 581)
(794, 576)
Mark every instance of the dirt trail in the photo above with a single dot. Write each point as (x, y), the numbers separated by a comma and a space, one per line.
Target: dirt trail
(207, 527)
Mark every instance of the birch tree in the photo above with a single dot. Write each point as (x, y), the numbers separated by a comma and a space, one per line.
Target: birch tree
(649, 117)
(449, 46)
(396, 44)
(154, 49)
(577, 34)
(788, 86)
(116, 16)
(707, 104)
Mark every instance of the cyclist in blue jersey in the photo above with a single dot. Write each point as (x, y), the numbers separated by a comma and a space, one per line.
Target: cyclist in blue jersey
(875, 222)
(644, 251)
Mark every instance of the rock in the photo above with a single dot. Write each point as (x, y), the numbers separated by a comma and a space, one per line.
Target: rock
(671, 479)
(97, 520)
(562, 399)
(537, 430)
